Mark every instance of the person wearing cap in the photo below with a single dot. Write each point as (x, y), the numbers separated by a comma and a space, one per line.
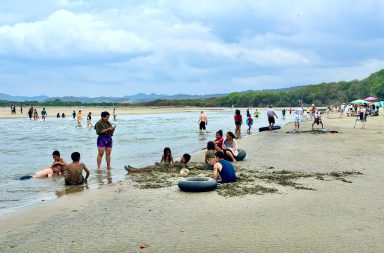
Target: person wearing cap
(221, 168)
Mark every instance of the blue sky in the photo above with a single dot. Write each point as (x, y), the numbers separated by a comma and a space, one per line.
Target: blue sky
(117, 48)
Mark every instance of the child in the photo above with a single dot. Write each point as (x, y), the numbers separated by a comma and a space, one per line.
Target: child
(249, 123)
(74, 172)
(79, 118)
(175, 166)
(56, 169)
(167, 158)
(219, 141)
(210, 150)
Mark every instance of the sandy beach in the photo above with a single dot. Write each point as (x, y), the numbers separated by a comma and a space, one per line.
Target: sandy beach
(321, 210)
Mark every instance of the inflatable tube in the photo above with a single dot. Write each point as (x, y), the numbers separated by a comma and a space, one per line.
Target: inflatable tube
(242, 154)
(197, 184)
(25, 177)
(262, 129)
(247, 121)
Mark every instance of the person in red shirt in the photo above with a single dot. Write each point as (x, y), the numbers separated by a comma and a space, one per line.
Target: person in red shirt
(238, 122)
(219, 141)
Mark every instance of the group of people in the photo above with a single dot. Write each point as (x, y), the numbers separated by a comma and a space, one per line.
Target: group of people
(32, 113)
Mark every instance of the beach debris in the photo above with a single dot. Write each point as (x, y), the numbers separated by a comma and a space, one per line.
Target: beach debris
(143, 246)
(184, 172)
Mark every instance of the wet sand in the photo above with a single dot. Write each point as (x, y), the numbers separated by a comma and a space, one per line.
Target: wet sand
(335, 216)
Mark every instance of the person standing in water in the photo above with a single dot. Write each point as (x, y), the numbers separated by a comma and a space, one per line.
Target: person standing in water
(114, 114)
(238, 122)
(203, 121)
(298, 116)
(30, 112)
(74, 114)
(43, 114)
(257, 113)
(105, 131)
(271, 117)
(283, 112)
(89, 119)
(73, 172)
(79, 118)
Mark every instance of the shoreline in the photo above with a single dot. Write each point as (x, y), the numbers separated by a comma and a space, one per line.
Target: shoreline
(337, 216)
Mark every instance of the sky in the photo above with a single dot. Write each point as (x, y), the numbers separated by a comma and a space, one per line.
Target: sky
(117, 48)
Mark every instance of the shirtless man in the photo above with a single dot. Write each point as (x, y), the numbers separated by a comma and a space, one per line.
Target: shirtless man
(56, 169)
(73, 172)
(271, 117)
(203, 121)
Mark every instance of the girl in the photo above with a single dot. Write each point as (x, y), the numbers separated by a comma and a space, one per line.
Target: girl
(230, 147)
(238, 121)
(167, 158)
(210, 150)
(89, 119)
(219, 141)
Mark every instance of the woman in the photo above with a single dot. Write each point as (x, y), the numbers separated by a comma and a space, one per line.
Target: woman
(230, 148)
(238, 121)
(167, 158)
(89, 119)
(104, 130)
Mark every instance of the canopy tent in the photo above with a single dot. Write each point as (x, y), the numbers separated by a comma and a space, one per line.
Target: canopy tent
(359, 102)
(371, 99)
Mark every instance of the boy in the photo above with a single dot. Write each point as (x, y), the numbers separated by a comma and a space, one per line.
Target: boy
(222, 168)
(74, 172)
(56, 169)
(249, 122)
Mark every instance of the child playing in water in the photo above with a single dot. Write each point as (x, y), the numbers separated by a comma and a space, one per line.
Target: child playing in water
(56, 169)
(167, 158)
(249, 123)
(74, 172)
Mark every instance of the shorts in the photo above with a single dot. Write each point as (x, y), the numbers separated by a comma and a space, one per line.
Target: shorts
(297, 118)
(271, 119)
(317, 120)
(104, 141)
(238, 123)
(202, 125)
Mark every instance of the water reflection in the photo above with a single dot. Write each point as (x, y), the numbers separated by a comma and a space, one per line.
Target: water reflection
(69, 189)
(103, 175)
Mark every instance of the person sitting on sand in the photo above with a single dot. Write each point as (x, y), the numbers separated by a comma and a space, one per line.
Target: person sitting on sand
(222, 169)
(56, 169)
(230, 149)
(73, 172)
(219, 141)
(210, 150)
(161, 167)
(167, 157)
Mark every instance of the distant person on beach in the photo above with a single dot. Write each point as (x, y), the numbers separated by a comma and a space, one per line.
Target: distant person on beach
(79, 118)
(30, 113)
(89, 119)
(114, 114)
(317, 117)
(73, 172)
(219, 141)
(249, 123)
(223, 171)
(211, 149)
(230, 148)
(283, 113)
(13, 109)
(238, 122)
(271, 117)
(257, 113)
(203, 121)
(178, 165)
(105, 131)
(248, 113)
(56, 169)
(74, 114)
(63, 115)
(290, 110)
(363, 116)
(167, 157)
(298, 117)
(43, 114)
(21, 109)
(58, 115)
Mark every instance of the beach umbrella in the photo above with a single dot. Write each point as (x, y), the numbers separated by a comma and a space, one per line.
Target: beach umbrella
(370, 99)
(359, 102)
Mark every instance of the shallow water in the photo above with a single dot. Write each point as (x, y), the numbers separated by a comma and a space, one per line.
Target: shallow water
(26, 147)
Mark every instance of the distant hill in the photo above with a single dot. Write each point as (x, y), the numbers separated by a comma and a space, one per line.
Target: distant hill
(22, 98)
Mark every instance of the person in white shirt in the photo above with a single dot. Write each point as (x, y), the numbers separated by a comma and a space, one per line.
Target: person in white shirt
(297, 118)
(271, 117)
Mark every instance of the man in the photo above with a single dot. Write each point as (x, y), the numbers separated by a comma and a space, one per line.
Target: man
(43, 114)
(317, 117)
(222, 168)
(203, 121)
(297, 119)
(271, 117)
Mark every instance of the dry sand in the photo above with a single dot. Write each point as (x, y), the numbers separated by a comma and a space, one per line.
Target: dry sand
(335, 217)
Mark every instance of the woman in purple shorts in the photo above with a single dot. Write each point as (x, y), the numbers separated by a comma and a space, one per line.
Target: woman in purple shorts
(104, 130)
